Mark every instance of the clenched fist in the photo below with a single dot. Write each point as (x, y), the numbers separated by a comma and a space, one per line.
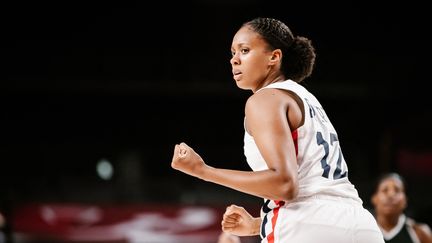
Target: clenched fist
(236, 220)
(186, 160)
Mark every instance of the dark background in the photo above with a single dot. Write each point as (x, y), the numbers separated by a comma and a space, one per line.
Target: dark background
(88, 80)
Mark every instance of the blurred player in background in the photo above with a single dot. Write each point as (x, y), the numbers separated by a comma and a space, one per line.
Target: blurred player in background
(390, 201)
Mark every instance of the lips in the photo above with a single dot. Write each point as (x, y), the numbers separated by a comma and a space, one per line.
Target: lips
(235, 71)
(392, 204)
(236, 74)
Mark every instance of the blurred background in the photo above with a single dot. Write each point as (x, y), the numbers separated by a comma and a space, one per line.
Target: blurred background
(95, 94)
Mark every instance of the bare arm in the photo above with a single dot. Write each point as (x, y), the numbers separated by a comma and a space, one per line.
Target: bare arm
(423, 232)
(266, 115)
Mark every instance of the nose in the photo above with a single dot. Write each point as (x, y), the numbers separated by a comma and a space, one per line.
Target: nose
(235, 60)
(391, 192)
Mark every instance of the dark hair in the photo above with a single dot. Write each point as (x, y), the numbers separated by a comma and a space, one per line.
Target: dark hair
(298, 58)
(389, 175)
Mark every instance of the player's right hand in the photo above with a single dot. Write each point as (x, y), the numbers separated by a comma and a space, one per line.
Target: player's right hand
(186, 160)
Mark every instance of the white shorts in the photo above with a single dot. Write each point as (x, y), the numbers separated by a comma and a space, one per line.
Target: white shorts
(323, 219)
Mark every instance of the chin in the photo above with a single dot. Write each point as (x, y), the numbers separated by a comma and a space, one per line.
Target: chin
(392, 212)
(242, 85)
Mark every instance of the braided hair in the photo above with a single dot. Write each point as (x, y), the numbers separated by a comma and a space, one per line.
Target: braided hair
(298, 53)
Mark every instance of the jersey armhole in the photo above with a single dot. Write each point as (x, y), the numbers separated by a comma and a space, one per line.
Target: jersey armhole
(299, 102)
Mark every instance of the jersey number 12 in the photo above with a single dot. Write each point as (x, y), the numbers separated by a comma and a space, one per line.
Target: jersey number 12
(325, 164)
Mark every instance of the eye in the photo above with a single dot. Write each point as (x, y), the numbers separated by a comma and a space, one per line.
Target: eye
(232, 53)
(244, 50)
(384, 190)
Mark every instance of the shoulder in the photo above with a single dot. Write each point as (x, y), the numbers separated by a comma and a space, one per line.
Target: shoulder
(422, 230)
(272, 100)
(270, 97)
(273, 107)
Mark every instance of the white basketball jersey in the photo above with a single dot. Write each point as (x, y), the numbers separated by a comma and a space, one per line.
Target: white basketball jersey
(321, 166)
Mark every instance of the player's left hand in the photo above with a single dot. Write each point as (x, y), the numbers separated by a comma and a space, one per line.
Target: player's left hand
(237, 221)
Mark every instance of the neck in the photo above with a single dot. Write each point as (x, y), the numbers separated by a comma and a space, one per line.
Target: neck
(387, 222)
(270, 80)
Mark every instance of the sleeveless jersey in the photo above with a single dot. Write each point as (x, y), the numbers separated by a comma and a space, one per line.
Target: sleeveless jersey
(321, 166)
(403, 232)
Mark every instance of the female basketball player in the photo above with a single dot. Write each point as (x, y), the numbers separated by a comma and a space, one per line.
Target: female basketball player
(291, 146)
(389, 201)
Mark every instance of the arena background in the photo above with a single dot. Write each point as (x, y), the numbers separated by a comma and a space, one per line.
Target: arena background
(94, 95)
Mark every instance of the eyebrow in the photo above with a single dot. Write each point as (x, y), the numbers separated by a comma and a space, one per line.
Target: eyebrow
(240, 45)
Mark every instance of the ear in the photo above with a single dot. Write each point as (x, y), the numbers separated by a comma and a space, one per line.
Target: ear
(405, 205)
(276, 57)
(374, 199)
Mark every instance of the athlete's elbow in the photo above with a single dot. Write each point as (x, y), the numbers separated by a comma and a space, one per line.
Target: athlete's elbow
(290, 193)
(289, 189)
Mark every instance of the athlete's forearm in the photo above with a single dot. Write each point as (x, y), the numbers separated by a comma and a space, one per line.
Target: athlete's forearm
(268, 184)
